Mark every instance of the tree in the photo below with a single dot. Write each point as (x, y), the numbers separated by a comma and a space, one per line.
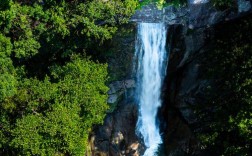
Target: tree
(53, 118)
(229, 102)
(51, 93)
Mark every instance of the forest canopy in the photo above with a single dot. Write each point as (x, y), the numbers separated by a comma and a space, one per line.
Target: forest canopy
(51, 92)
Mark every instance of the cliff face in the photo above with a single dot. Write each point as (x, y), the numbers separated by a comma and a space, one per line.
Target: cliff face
(184, 89)
(191, 37)
(187, 83)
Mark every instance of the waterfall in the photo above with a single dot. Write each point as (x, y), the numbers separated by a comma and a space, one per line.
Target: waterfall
(151, 67)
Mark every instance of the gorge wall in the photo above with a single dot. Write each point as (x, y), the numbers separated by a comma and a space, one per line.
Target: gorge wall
(192, 37)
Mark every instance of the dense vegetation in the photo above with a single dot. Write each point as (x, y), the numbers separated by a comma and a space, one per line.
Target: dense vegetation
(226, 116)
(223, 4)
(163, 3)
(51, 92)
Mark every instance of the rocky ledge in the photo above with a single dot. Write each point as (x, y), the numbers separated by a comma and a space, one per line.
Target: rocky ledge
(194, 15)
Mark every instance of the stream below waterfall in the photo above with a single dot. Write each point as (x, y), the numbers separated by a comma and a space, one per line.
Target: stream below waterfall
(151, 65)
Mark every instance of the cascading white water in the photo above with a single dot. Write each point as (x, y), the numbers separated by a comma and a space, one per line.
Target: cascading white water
(151, 56)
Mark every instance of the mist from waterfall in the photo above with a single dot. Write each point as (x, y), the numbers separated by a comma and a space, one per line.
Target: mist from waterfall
(151, 67)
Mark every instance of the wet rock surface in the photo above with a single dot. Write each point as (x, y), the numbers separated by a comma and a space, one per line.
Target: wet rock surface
(193, 15)
(183, 84)
(118, 89)
(151, 14)
(185, 88)
(117, 137)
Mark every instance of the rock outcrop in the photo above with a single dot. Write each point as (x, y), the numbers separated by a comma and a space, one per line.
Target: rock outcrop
(184, 89)
(194, 15)
(117, 137)
(118, 89)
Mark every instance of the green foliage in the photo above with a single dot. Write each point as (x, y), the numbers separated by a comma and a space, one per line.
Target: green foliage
(223, 4)
(146, 2)
(177, 3)
(7, 79)
(229, 119)
(26, 48)
(162, 3)
(51, 96)
(6, 46)
(7, 86)
(159, 3)
(57, 117)
(5, 5)
(93, 19)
